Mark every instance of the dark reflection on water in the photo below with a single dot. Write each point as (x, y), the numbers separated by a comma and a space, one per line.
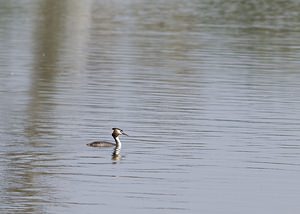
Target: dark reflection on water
(208, 92)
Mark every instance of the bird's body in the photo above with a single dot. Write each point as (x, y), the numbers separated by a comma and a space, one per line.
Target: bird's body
(115, 134)
(101, 144)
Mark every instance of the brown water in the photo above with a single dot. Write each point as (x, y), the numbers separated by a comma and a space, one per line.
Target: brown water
(207, 90)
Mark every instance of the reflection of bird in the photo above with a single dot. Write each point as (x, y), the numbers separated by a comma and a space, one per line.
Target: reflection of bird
(116, 133)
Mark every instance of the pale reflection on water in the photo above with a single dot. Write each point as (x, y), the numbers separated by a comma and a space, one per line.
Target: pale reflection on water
(208, 92)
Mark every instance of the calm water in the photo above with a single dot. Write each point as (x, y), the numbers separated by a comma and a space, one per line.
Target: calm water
(207, 90)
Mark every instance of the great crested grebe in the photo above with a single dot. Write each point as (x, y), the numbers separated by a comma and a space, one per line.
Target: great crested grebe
(115, 134)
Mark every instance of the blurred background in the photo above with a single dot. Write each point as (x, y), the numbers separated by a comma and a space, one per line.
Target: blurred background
(207, 90)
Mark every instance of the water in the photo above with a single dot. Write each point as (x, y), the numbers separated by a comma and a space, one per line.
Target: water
(207, 90)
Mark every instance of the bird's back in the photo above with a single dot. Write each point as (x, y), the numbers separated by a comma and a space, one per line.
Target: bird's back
(101, 144)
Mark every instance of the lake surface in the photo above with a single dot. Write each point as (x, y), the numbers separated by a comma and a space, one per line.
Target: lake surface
(208, 92)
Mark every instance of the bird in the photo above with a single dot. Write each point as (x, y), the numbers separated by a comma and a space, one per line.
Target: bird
(115, 134)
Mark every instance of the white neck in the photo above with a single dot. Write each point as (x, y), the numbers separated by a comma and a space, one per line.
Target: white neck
(118, 143)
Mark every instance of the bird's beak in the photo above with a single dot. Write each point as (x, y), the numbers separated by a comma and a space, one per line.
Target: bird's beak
(124, 133)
